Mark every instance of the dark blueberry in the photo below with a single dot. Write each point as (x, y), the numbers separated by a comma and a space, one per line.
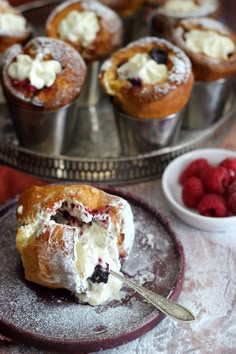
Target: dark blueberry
(136, 82)
(159, 55)
(100, 275)
(66, 214)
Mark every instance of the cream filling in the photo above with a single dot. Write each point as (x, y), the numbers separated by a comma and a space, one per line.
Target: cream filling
(40, 73)
(209, 43)
(79, 26)
(143, 67)
(93, 246)
(178, 6)
(12, 23)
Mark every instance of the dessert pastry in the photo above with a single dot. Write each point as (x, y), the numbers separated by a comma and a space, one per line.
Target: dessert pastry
(91, 28)
(41, 83)
(210, 45)
(13, 26)
(172, 11)
(71, 235)
(46, 74)
(123, 7)
(150, 78)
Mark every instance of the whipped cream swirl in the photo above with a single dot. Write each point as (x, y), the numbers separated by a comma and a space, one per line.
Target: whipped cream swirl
(12, 23)
(142, 66)
(40, 73)
(178, 6)
(79, 26)
(209, 43)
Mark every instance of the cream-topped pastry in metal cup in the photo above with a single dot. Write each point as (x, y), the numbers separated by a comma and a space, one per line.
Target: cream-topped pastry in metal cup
(94, 30)
(90, 27)
(149, 80)
(211, 47)
(70, 236)
(41, 82)
(167, 15)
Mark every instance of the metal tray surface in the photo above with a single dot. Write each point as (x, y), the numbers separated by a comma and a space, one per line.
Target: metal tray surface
(95, 154)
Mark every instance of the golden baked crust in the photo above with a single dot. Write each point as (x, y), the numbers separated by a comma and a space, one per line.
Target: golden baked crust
(161, 24)
(7, 39)
(39, 239)
(149, 101)
(68, 82)
(123, 7)
(204, 67)
(108, 37)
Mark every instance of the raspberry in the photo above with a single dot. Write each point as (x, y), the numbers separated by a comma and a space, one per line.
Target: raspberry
(212, 205)
(192, 192)
(231, 202)
(216, 179)
(196, 168)
(231, 189)
(230, 165)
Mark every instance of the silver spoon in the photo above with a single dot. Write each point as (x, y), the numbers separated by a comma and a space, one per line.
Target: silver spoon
(168, 307)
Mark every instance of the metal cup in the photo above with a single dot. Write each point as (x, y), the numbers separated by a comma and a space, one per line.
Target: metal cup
(44, 131)
(207, 103)
(145, 135)
(91, 91)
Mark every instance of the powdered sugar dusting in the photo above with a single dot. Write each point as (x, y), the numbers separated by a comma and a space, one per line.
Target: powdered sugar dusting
(89, 5)
(179, 73)
(74, 71)
(181, 64)
(204, 8)
(55, 314)
(207, 23)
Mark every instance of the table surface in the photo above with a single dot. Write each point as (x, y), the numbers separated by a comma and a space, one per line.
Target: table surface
(209, 284)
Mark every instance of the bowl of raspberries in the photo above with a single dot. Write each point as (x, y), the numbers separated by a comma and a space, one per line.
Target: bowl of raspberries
(200, 188)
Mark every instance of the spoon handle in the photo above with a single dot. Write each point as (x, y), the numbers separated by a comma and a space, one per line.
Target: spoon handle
(168, 307)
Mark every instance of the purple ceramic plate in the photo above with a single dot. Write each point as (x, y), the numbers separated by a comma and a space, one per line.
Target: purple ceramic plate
(52, 320)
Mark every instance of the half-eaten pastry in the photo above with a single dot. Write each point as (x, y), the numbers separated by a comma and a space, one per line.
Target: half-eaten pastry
(70, 236)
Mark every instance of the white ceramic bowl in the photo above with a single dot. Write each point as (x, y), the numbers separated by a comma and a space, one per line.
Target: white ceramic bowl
(172, 190)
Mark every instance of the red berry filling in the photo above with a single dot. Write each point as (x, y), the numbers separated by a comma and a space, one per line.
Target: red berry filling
(25, 84)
